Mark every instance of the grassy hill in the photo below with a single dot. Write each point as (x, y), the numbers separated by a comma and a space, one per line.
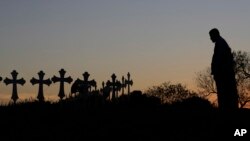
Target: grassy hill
(137, 117)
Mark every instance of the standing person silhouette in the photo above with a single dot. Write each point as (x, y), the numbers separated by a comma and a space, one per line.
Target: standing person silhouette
(222, 69)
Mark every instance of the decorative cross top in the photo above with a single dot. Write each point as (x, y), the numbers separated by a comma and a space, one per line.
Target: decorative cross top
(129, 82)
(86, 84)
(61, 79)
(14, 81)
(85, 76)
(40, 81)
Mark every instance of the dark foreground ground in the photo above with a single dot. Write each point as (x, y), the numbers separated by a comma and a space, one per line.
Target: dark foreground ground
(140, 119)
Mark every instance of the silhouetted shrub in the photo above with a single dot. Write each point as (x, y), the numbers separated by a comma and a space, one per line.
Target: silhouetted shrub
(194, 103)
(169, 93)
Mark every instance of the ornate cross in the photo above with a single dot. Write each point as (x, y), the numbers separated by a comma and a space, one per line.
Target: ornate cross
(93, 84)
(40, 81)
(129, 83)
(105, 90)
(61, 79)
(14, 81)
(118, 87)
(86, 84)
(123, 85)
(108, 86)
(114, 85)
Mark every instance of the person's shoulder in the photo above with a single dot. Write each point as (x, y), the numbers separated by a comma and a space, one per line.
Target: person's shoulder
(222, 43)
(221, 40)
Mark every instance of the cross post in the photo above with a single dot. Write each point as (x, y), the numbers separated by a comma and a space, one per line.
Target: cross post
(118, 87)
(103, 85)
(123, 85)
(108, 86)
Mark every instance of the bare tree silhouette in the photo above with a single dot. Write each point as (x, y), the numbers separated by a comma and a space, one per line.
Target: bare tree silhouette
(206, 84)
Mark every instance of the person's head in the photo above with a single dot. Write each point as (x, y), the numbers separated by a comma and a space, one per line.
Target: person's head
(214, 34)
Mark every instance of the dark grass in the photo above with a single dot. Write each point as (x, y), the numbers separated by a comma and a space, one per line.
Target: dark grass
(137, 117)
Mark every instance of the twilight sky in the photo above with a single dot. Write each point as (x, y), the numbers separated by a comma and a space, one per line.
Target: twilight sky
(155, 40)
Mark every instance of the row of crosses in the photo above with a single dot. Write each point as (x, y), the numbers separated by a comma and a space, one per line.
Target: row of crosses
(114, 84)
(40, 81)
(83, 86)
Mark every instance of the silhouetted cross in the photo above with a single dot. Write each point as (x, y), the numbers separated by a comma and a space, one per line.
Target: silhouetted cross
(61, 79)
(14, 81)
(106, 90)
(108, 86)
(129, 82)
(103, 85)
(86, 83)
(95, 85)
(40, 81)
(123, 85)
(114, 85)
(118, 87)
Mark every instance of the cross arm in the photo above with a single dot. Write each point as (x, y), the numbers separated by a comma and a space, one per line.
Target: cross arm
(55, 79)
(7, 81)
(130, 82)
(21, 81)
(68, 79)
(47, 82)
(34, 81)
